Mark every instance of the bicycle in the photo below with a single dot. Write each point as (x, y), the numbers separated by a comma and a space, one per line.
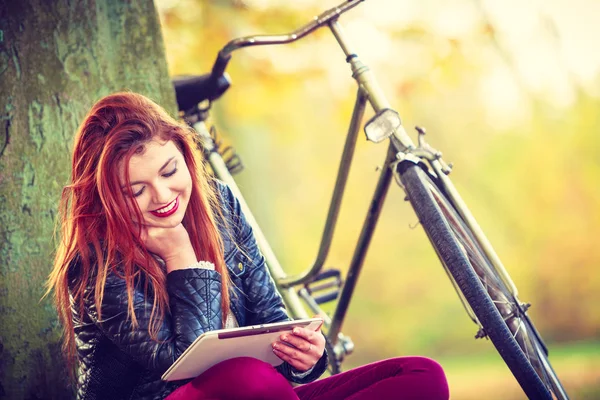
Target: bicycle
(485, 288)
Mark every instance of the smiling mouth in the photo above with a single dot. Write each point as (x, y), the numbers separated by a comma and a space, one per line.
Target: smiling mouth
(167, 210)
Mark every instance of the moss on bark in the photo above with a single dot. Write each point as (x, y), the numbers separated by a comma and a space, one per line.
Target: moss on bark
(56, 59)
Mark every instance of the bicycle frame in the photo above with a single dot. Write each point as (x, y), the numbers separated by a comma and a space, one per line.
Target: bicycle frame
(401, 148)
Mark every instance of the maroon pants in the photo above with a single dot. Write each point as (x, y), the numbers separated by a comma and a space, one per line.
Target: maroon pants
(408, 378)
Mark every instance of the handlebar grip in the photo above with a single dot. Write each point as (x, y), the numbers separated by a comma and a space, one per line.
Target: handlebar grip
(219, 66)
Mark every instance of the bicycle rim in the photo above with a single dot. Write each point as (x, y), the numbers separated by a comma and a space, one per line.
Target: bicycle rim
(504, 320)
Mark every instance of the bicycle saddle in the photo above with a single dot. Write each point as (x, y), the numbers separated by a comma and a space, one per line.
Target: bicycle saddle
(193, 89)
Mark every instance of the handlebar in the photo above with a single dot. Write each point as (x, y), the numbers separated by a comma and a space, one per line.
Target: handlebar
(324, 18)
(219, 66)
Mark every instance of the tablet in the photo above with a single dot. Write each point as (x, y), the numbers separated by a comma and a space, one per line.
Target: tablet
(212, 347)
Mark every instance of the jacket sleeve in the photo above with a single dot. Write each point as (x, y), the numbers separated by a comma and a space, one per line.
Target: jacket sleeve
(195, 303)
(263, 301)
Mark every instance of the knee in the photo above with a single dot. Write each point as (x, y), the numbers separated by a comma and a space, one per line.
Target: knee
(433, 373)
(262, 381)
(253, 379)
(240, 365)
(246, 371)
(427, 377)
(424, 364)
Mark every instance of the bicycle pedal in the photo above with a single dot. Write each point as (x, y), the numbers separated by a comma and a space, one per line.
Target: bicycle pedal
(325, 286)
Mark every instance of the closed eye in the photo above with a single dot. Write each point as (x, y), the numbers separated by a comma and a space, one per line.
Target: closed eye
(168, 174)
(139, 192)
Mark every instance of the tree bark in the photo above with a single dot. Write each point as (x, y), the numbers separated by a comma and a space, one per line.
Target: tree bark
(56, 59)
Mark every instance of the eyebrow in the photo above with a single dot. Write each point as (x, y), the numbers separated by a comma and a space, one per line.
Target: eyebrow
(159, 171)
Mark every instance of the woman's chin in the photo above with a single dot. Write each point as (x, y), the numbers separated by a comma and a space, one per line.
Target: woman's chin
(171, 223)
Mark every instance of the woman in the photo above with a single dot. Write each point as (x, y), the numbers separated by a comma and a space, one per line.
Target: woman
(154, 252)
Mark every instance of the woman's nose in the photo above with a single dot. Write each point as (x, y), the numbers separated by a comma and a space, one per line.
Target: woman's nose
(162, 195)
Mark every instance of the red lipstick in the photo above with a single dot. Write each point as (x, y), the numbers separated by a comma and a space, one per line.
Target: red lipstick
(171, 207)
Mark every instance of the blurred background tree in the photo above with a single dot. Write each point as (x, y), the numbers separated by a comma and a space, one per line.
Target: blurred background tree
(509, 91)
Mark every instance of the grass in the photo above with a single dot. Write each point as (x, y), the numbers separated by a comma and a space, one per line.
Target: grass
(485, 376)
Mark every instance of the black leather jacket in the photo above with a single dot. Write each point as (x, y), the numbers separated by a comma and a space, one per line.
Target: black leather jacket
(118, 362)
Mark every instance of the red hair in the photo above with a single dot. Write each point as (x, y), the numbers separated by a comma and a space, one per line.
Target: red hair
(96, 227)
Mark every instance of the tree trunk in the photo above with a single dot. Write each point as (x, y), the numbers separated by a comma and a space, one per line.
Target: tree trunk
(57, 58)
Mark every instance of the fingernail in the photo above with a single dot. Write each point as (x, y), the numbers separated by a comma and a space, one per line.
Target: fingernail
(296, 331)
(275, 346)
(284, 337)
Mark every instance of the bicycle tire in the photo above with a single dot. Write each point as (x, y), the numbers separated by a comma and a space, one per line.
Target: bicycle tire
(513, 337)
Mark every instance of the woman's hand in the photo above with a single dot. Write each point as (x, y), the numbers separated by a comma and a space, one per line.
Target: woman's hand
(301, 348)
(173, 245)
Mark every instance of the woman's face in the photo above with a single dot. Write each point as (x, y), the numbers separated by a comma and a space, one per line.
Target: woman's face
(161, 184)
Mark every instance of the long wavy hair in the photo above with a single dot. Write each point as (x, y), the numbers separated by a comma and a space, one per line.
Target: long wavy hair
(96, 229)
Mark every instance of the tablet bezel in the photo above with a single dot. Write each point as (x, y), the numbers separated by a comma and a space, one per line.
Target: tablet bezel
(266, 328)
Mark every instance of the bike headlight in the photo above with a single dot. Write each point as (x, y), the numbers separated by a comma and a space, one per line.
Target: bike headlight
(382, 125)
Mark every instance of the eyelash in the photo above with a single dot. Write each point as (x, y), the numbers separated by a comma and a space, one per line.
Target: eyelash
(167, 175)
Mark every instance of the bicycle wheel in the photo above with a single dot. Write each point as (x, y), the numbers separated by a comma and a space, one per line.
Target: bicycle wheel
(503, 318)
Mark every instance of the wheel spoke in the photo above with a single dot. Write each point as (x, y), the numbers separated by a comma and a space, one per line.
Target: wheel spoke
(517, 332)
(509, 316)
(525, 343)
